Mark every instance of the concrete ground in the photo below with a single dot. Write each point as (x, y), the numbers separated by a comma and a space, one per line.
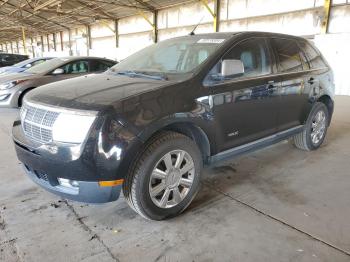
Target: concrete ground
(277, 204)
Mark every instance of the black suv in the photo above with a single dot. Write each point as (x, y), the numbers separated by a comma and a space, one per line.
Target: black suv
(149, 124)
(11, 59)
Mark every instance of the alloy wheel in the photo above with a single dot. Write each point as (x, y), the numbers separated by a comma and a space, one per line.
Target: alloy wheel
(171, 179)
(318, 127)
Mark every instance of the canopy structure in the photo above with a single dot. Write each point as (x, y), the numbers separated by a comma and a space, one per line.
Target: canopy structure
(40, 17)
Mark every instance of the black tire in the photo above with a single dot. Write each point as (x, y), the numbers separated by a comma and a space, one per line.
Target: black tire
(136, 187)
(303, 140)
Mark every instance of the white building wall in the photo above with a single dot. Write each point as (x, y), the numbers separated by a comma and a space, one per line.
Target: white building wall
(297, 17)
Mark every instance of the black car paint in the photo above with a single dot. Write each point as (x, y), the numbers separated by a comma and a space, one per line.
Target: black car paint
(131, 110)
(7, 59)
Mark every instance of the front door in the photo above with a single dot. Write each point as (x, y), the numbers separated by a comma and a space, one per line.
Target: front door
(70, 70)
(244, 106)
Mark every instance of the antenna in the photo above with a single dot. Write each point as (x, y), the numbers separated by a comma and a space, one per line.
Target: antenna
(194, 29)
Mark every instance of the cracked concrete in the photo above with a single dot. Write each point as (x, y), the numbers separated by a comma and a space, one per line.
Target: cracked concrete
(277, 204)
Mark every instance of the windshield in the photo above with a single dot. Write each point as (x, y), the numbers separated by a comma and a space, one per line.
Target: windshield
(178, 56)
(46, 66)
(23, 63)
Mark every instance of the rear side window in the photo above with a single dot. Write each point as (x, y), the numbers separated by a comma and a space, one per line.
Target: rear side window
(254, 56)
(289, 56)
(313, 56)
(99, 66)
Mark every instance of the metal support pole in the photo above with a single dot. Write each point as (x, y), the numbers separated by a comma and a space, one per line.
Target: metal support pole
(42, 44)
(153, 23)
(217, 15)
(11, 47)
(70, 42)
(325, 22)
(214, 14)
(32, 44)
(6, 48)
(17, 47)
(61, 40)
(54, 42)
(89, 40)
(155, 26)
(24, 40)
(48, 43)
(116, 32)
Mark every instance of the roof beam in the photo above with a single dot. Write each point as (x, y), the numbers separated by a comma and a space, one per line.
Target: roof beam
(148, 6)
(33, 14)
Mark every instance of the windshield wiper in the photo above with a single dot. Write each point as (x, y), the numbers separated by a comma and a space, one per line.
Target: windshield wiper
(158, 76)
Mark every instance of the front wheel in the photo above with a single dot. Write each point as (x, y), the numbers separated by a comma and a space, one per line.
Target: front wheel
(165, 178)
(315, 129)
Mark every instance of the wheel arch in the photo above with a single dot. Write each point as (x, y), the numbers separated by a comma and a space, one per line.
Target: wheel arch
(23, 93)
(328, 102)
(189, 129)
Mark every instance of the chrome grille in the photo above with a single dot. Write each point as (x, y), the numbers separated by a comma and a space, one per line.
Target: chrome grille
(37, 123)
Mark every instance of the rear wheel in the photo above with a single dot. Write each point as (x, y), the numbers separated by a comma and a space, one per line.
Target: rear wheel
(315, 129)
(165, 178)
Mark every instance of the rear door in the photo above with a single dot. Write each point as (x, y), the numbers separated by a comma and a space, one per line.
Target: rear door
(293, 91)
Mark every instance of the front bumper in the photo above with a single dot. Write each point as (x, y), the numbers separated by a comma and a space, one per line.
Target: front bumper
(101, 158)
(87, 192)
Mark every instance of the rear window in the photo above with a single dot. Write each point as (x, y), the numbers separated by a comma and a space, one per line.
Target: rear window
(289, 56)
(314, 57)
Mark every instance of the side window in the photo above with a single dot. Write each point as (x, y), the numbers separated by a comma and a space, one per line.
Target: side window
(76, 67)
(38, 62)
(289, 56)
(99, 66)
(313, 56)
(254, 56)
(7, 58)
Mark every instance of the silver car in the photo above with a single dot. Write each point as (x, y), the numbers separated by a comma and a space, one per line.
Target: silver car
(14, 86)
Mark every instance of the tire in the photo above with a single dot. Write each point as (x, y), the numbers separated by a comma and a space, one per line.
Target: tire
(304, 140)
(165, 147)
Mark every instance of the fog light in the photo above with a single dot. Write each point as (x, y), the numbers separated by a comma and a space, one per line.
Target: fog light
(68, 183)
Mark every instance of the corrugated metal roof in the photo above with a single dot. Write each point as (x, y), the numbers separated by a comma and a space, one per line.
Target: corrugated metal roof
(41, 17)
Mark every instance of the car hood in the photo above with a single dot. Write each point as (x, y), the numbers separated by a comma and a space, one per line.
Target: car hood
(94, 91)
(6, 68)
(16, 76)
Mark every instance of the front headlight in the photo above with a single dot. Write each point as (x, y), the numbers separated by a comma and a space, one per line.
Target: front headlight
(71, 128)
(7, 85)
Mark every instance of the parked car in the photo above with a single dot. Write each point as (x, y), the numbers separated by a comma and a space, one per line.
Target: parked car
(11, 59)
(146, 126)
(24, 65)
(13, 87)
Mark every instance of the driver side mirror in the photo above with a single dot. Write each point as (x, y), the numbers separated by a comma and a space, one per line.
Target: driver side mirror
(232, 68)
(58, 71)
(28, 66)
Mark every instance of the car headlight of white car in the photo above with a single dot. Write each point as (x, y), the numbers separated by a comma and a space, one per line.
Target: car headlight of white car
(7, 85)
(72, 128)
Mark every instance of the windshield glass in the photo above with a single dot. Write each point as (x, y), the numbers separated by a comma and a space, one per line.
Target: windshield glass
(177, 56)
(23, 63)
(46, 66)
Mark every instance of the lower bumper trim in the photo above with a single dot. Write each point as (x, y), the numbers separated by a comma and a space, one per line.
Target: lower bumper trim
(87, 192)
